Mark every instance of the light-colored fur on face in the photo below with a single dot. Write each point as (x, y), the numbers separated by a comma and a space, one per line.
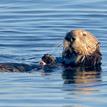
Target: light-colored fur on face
(81, 48)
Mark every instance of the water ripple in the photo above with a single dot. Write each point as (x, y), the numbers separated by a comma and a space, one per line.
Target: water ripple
(30, 28)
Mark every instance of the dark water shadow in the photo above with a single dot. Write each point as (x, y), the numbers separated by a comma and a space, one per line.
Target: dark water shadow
(80, 75)
(76, 75)
(77, 78)
(81, 80)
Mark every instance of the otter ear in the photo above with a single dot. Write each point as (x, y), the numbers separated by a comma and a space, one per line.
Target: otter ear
(84, 33)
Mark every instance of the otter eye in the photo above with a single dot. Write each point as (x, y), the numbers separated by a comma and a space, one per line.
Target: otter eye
(73, 38)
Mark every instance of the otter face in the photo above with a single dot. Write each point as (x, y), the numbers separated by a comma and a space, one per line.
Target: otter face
(80, 44)
(83, 42)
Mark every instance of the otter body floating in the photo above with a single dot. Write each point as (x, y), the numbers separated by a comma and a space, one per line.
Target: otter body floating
(81, 48)
(18, 67)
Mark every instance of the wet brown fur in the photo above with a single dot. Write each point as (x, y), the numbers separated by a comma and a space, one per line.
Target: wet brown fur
(48, 59)
(82, 48)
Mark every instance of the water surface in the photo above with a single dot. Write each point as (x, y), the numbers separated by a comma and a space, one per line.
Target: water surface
(31, 28)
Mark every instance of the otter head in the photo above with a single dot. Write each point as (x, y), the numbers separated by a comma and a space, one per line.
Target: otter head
(81, 47)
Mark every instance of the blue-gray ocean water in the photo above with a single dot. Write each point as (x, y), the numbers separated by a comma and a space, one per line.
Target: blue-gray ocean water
(31, 28)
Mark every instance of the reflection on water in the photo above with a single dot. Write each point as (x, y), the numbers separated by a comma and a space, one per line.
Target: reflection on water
(79, 84)
(81, 75)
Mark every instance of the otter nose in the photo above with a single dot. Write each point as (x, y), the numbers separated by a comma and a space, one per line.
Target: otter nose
(69, 37)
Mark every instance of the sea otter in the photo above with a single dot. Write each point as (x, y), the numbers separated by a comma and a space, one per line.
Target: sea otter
(81, 48)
